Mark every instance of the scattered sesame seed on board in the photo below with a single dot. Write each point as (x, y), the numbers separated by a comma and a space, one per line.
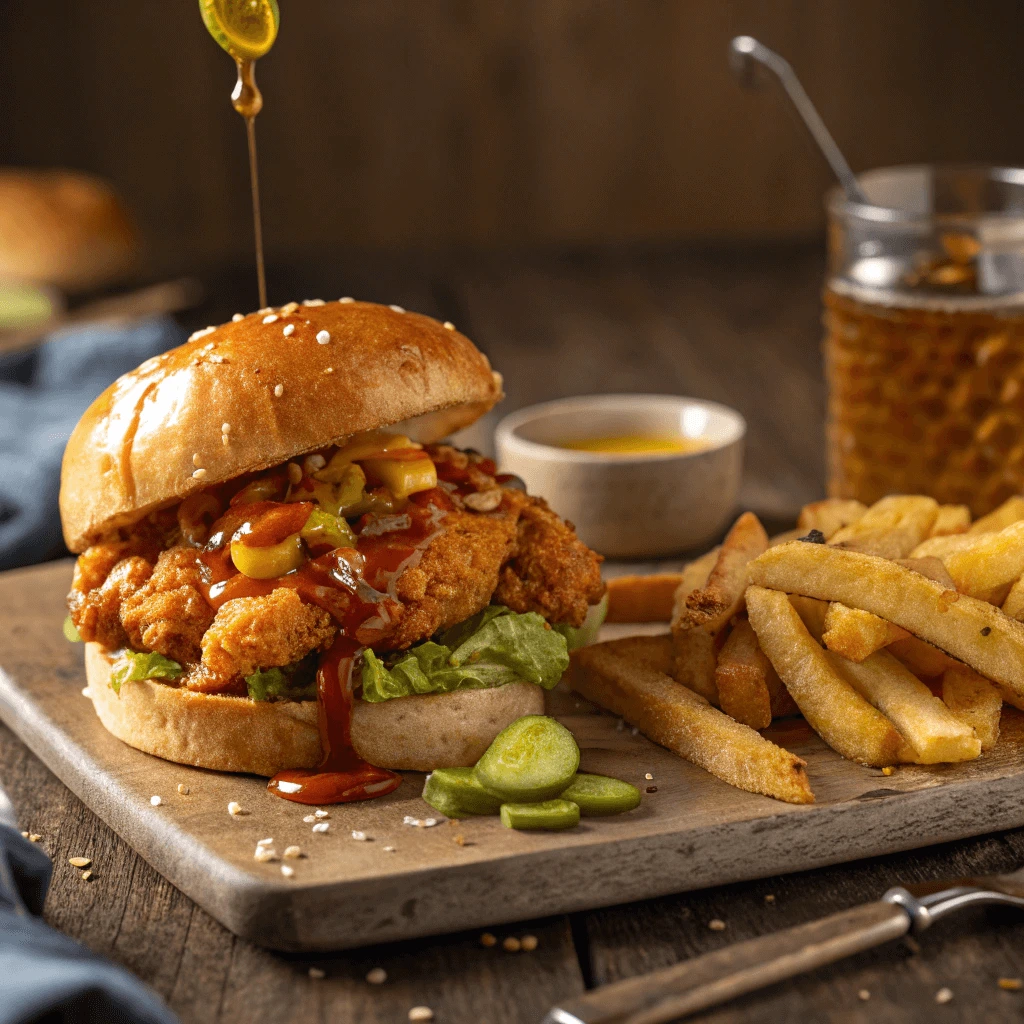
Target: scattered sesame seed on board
(87, 876)
(511, 944)
(291, 852)
(1010, 984)
(459, 840)
(376, 976)
(309, 819)
(529, 943)
(449, 326)
(155, 801)
(321, 826)
(396, 309)
(79, 862)
(316, 973)
(487, 940)
(716, 924)
(287, 871)
(389, 849)
(235, 809)
(421, 1013)
(34, 837)
(323, 337)
(265, 842)
(264, 854)
(359, 836)
(863, 995)
(237, 317)
(648, 776)
(199, 474)
(289, 330)
(887, 770)
(944, 995)
(278, 390)
(770, 898)
(321, 814)
(271, 318)
(183, 789)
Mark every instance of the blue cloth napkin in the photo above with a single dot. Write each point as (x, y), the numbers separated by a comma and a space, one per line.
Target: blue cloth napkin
(42, 395)
(45, 976)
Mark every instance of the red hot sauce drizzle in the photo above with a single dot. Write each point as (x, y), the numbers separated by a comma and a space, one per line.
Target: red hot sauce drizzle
(357, 587)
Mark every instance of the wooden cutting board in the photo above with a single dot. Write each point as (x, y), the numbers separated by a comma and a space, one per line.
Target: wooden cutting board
(692, 833)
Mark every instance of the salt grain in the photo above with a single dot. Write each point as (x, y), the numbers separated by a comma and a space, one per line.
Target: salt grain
(377, 976)
(235, 808)
(272, 318)
(155, 801)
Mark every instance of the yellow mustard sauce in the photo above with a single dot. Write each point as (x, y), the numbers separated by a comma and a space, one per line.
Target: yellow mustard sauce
(637, 444)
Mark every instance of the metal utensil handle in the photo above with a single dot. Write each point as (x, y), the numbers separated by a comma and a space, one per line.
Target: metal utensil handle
(735, 970)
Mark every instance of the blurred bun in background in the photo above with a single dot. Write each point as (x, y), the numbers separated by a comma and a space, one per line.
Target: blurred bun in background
(64, 229)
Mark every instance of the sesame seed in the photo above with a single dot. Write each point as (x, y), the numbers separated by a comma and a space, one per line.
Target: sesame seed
(79, 862)
(289, 330)
(309, 819)
(287, 871)
(237, 317)
(321, 826)
(155, 801)
(634, 731)
(323, 337)
(1010, 984)
(944, 995)
(389, 849)
(278, 390)
(199, 474)
(487, 940)
(770, 898)
(716, 925)
(459, 840)
(265, 842)
(225, 428)
(321, 814)
(529, 943)
(85, 691)
(420, 1013)
(449, 326)
(360, 836)
(201, 334)
(396, 309)
(346, 299)
(648, 776)
(377, 976)
(87, 876)
(317, 973)
(312, 302)
(291, 852)
(224, 439)
(887, 770)
(24, 835)
(863, 995)
(271, 318)
(294, 473)
(34, 837)
(329, 369)
(315, 462)
(265, 853)
(265, 309)
(288, 308)
(196, 459)
(235, 808)
(183, 789)
(511, 944)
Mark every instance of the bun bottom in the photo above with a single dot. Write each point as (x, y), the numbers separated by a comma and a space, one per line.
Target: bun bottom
(235, 734)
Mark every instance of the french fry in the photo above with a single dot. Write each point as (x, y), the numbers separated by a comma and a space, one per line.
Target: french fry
(828, 517)
(951, 519)
(940, 547)
(931, 729)
(891, 528)
(970, 630)
(975, 701)
(699, 616)
(642, 598)
(695, 574)
(932, 567)
(834, 710)
(925, 661)
(1010, 697)
(786, 535)
(812, 612)
(741, 676)
(997, 559)
(654, 652)
(1014, 603)
(857, 634)
(1011, 511)
(670, 714)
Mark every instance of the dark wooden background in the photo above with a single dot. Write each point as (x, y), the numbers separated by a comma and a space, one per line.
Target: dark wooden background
(440, 123)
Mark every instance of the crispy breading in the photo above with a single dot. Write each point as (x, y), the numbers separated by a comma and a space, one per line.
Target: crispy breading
(456, 576)
(551, 570)
(169, 614)
(260, 632)
(96, 613)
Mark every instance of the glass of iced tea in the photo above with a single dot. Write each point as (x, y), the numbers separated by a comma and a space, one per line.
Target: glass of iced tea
(924, 336)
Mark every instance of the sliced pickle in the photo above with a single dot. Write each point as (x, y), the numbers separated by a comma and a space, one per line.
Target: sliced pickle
(456, 793)
(403, 477)
(534, 758)
(265, 563)
(600, 795)
(327, 532)
(361, 447)
(550, 814)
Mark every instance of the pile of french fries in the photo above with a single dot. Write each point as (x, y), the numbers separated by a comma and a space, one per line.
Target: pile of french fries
(896, 631)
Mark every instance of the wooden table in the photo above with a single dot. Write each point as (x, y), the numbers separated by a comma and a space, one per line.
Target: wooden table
(737, 328)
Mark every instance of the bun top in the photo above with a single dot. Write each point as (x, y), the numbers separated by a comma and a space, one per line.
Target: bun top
(62, 228)
(258, 391)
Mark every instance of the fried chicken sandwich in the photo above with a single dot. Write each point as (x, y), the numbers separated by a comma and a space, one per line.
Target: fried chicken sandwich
(284, 571)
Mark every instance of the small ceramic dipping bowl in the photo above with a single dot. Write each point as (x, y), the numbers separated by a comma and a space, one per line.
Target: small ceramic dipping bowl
(645, 505)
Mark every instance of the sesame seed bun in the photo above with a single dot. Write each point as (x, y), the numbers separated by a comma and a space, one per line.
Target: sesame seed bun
(235, 734)
(245, 396)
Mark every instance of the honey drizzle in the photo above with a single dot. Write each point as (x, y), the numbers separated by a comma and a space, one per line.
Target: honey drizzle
(247, 99)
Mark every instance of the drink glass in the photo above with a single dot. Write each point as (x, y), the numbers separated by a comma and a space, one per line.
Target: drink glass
(924, 336)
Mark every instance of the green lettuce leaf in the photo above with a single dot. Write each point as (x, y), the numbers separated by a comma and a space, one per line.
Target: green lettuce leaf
(580, 636)
(494, 647)
(134, 666)
(265, 684)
